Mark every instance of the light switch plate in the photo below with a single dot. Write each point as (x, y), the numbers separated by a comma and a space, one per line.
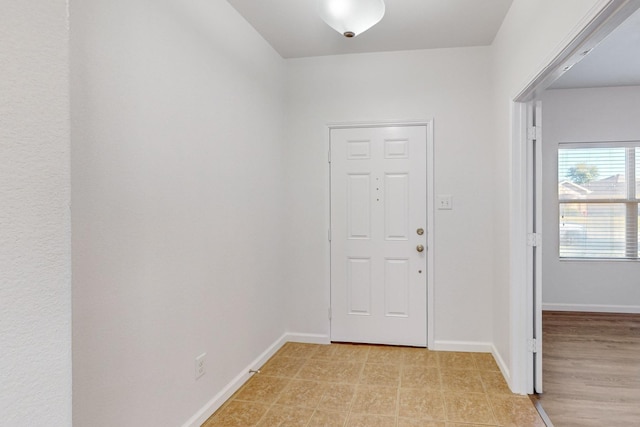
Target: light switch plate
(444, 202)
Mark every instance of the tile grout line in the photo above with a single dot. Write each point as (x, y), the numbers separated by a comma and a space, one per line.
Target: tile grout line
(315, 410)
(402, 365)
(283, 389)
(493, 412)
(488, 399)
(357, 388)
(444, 401)
(355, 385)
(353, 398)
(274, 401)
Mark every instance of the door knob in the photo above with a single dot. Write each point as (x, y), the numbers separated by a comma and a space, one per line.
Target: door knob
(420, 248)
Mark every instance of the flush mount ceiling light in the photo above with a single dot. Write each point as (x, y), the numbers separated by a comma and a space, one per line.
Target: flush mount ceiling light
(351, 17)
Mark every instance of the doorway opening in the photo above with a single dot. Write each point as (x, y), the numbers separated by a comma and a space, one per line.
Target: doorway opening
(528, 142)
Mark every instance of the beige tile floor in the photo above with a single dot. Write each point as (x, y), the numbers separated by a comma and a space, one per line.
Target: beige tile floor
(348, 385)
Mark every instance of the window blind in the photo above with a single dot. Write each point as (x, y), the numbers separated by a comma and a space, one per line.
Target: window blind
(598, 185)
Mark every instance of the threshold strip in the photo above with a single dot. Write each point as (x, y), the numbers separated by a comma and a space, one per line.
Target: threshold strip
(535, 399)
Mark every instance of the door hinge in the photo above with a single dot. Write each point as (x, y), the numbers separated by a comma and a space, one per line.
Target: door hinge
(533, 239)
(533, 345)
(533, 133)
(329, 313)
(329, 234)
(329, 156)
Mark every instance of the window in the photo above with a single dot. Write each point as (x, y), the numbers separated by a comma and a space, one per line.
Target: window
(598, 189)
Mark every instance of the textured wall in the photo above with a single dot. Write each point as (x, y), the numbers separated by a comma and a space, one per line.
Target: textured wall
(177, 193)
(35, 283)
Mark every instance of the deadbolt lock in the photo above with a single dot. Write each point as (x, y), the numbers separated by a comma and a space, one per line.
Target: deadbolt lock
(420, 231)
(420, 248)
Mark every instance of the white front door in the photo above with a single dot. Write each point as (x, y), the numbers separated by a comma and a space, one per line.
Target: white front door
(379, 235)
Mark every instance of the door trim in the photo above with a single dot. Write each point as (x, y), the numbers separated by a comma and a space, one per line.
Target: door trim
(430, 210)
(534, 250)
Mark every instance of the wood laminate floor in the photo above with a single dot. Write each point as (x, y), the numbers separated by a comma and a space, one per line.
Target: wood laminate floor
(591, 369)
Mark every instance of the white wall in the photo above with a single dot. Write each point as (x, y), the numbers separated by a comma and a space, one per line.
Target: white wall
(177, 194)
(451, 86)
(585, 115)
(35, 275)
(532, 33)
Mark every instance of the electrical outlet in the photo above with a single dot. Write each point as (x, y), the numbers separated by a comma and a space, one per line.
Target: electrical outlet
(444, 202)
(201, 365)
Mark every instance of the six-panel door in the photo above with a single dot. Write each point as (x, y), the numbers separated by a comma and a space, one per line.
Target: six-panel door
(378, 205)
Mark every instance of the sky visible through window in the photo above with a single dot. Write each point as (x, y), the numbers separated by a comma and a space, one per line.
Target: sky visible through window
(610, 161)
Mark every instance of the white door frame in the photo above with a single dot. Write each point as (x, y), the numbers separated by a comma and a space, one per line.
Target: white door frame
(430, 210)
(535, 233)
(605, 16)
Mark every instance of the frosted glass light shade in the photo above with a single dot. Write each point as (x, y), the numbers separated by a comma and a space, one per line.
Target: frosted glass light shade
(351, 17)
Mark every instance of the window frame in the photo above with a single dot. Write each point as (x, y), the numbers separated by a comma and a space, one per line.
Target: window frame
(631, 201)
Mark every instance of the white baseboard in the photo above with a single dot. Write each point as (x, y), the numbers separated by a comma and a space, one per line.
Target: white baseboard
(218, 400)
(476, 347)
(307, 338)
(503, 366)
(227, 391)
(464, 346)
(593, 308)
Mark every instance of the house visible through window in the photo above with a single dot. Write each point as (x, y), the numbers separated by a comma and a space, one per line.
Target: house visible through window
(598, 189)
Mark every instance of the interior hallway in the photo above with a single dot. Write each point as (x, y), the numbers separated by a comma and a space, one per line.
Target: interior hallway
(369, 386)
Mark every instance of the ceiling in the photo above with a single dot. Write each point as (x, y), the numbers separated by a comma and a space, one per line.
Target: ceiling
(614, 62)
(295, 30)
